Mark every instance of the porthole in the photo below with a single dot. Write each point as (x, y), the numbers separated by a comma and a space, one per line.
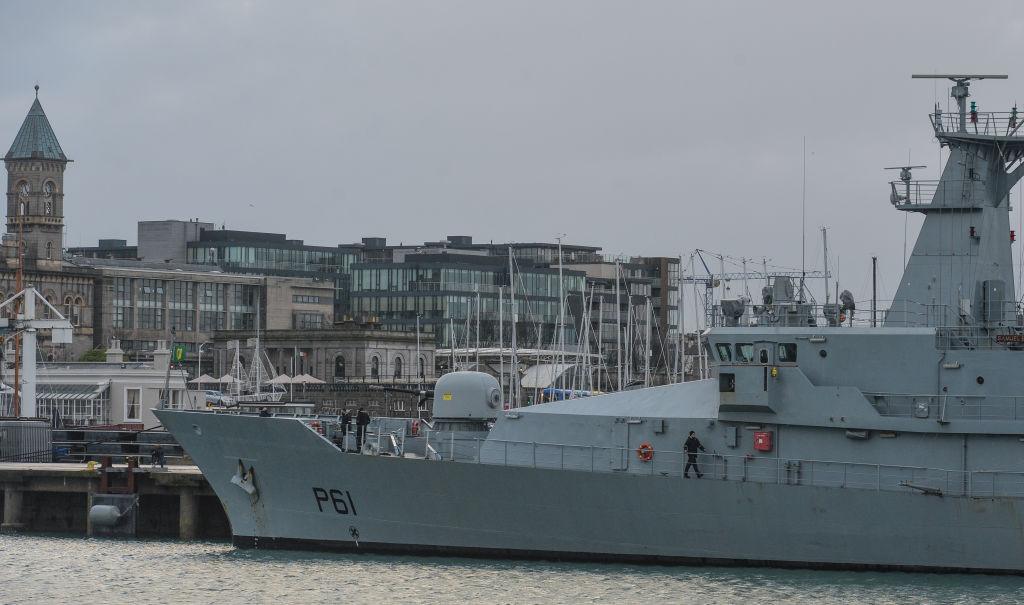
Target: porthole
(981, 380)
(823, 353)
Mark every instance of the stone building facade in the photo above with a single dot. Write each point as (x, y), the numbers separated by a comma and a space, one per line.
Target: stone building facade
(34, 239)
(359, 364)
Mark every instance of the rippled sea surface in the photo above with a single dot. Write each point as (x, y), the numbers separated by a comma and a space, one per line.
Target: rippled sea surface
(54, 569)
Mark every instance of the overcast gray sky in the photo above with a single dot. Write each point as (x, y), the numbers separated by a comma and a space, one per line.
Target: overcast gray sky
(642, 127)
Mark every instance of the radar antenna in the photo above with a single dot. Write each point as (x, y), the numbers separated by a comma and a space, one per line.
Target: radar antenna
(960, 92)
(906, 177)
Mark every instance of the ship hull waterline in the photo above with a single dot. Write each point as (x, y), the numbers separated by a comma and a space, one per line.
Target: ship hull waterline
(308, 495)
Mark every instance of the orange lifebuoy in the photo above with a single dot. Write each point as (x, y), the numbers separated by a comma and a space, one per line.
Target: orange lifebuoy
(645, 452)
(414, 429)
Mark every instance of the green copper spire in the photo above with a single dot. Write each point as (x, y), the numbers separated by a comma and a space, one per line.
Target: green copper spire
(36, 138)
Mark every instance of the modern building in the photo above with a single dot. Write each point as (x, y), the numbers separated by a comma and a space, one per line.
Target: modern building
(107, 248)
(644, 320)
(462, 297)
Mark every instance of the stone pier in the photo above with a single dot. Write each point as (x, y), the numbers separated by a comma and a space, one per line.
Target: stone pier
(187, 514)
(13, 499)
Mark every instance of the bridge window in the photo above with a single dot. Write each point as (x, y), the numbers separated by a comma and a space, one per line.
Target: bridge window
(723, 352)
(744, 352)
(787, 352)
(726, 383)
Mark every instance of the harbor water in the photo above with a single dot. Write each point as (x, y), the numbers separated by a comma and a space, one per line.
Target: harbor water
(58, 569)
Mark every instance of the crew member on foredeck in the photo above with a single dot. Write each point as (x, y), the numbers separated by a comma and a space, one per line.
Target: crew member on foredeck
(692, 446)
(362, 421)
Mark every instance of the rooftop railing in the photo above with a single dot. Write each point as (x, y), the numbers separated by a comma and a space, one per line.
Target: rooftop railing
(953, 333)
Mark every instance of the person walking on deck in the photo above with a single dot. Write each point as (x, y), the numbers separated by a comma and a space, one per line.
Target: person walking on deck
(692, 446)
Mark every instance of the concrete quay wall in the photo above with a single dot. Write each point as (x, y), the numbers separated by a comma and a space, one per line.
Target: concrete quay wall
(56, 497)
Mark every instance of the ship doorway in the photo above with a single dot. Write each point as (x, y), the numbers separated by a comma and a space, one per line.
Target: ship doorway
(765, 355)
(618, 453)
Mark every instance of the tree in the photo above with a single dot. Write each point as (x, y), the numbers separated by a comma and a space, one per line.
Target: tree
(94, 355)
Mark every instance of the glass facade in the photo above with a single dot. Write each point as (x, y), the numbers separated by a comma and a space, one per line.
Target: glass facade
(183, 305)
(448, 296)
(274, 254)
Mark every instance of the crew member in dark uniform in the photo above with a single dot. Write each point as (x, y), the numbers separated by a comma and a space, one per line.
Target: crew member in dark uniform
(362, 421)
(157, 457)
(692, 446)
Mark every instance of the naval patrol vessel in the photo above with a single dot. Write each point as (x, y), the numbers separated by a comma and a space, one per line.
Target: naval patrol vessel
(828, 443)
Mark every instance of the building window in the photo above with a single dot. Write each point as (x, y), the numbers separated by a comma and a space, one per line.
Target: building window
(375, 367)
(339, 366)
(211, 320)
(398, 368)
(76, 311)
(132, 403)
(70, 310)
(151, 319)
(423, 367)
(183, 320)
(306, 299)
(304, 320)
(49, 250)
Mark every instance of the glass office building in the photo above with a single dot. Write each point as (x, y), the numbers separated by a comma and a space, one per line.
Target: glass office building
(450, 291)
(274, 254)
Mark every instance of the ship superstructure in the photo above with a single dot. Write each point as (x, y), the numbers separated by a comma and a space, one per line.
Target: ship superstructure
(826, 444)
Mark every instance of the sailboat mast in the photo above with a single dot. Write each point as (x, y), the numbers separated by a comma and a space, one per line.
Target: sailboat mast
(514, 367)
(618, 331)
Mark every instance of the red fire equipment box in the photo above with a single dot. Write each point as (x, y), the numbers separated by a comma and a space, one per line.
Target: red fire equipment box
(763, 441)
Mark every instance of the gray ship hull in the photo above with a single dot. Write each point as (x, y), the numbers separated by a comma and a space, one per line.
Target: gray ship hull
(306, 494)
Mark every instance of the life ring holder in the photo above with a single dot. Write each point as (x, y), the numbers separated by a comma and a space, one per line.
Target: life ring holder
(645, 452)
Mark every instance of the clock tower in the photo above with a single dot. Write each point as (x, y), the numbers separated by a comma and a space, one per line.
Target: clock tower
(35, 190)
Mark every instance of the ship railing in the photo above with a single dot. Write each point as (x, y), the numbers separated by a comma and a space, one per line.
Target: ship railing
(948, 406)
(1009, 335)
(726, 467)
(903, 313)
(986, 123)
(946, 192)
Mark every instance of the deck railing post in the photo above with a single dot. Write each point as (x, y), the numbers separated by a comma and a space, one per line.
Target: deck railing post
(534, 454)
(591, 458)
(878, 477)
(453, 446)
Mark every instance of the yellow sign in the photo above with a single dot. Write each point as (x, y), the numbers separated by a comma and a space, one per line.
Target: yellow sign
(447, 397)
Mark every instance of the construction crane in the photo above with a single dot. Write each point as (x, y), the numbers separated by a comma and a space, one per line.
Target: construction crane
(24, 324)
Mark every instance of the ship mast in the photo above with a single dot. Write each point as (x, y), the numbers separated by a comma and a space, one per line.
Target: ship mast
(960, 272)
